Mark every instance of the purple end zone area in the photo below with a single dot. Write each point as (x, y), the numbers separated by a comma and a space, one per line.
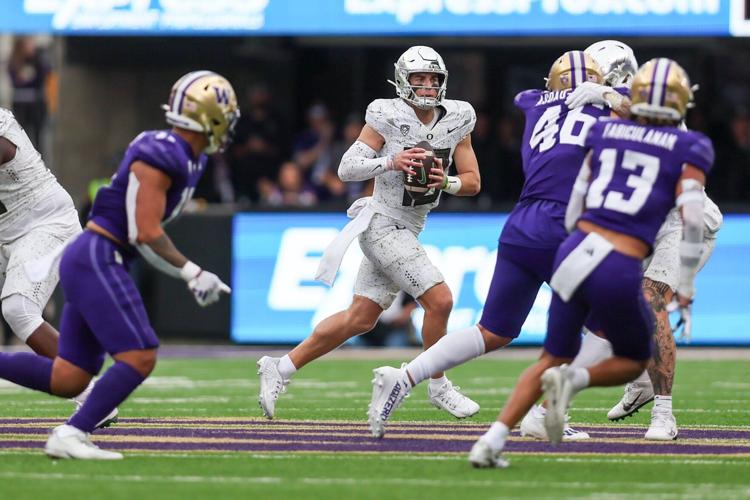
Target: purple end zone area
(255, 435)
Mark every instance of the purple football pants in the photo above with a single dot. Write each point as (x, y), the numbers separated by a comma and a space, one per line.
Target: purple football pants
(613, 297)
(104, 312)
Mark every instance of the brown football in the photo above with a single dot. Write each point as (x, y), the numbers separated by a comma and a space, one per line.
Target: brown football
(418, 183)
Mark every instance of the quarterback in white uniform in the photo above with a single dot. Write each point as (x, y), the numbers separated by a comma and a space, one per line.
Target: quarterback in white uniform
(661, 272)
(388, 223)
(37, 217)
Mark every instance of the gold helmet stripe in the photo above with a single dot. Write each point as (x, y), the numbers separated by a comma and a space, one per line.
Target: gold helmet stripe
(188, 80)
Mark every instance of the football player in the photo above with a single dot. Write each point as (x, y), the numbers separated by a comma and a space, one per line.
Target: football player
(552, 152)
(633, 175)
(388, 223)
(37, 216)
(104, 312)
(661, 274)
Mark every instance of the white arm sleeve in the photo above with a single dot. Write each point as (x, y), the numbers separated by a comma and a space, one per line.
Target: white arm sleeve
(577, 196)
(360, 163)
(691, 246)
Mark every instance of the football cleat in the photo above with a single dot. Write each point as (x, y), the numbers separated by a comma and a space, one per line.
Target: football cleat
(111, 417)
(532, 425)
(389, 388)
(449, 399)
(637, 394)
(558, 391)
(66, 441)
(272, 384)
(663, 426)
(481, 456)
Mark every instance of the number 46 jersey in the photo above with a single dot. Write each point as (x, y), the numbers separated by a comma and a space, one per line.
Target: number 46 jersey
(553, 142)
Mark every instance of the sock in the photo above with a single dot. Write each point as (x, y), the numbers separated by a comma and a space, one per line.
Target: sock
(593, 350)
(27, 369)
(496, 436)
(452, 350)
(643, 379)
(579, 378)
(437, 383)
(286, 367)
(663, 403)
(110, 390)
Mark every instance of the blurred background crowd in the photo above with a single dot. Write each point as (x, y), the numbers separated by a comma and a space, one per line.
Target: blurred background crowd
(303, 105)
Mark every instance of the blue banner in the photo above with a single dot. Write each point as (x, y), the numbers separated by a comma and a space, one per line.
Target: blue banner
(370, 17)
(276, 300)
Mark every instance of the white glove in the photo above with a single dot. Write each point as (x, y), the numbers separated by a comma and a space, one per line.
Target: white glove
(206, 287)
(684, 325)
(588, 93)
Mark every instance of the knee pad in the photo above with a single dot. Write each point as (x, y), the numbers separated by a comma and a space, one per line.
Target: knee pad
(22, 314)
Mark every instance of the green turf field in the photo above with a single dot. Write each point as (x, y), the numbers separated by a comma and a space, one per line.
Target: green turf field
(194, 431)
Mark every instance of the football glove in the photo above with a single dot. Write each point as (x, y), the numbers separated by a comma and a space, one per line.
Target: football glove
(205, 286)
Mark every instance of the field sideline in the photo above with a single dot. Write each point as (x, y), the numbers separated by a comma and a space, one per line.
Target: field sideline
(195, 429)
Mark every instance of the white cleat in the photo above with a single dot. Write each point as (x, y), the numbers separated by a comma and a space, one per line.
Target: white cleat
(558, 391)
(532, 425)
(66, 441)
(111, 417)
(637, 394)
(389, 388)
(481, 456)
(272, 384)
(663, 426)
(449, 399)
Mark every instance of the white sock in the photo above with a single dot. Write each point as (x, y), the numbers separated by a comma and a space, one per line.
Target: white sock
(643, 378)
(437, 383)
(593, 350)
(663, 403)
(286, 367)
(452, 350)
(580, 378)
(496, 436)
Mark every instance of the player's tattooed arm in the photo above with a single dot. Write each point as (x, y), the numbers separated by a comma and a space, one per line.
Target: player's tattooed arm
(7, 150)
(662, 367)
(468, 181)
(144, 219)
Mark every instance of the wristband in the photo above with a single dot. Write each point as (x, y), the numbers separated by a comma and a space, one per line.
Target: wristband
(452, 184)
(190, 271)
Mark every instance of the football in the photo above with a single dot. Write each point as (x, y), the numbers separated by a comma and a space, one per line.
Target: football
(418, 183)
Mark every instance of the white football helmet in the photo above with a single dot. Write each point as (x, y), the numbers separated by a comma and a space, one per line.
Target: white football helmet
(419, 59)
(616, 60)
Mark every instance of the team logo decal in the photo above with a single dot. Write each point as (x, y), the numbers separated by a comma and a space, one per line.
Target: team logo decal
(404, 129)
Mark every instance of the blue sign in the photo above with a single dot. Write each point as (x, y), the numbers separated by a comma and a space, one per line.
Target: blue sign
(276, 300)
(371, 17)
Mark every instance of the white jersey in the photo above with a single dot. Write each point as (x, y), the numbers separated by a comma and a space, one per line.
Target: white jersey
(24, 182)
(397, 122)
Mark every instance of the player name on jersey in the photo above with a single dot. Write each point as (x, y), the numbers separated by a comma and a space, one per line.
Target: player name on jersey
(552, 96)
(641, 134)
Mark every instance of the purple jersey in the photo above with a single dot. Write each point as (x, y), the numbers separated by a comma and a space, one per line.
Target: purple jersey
(552, 152)
(635, 169)
(553, 143)
(163, 150)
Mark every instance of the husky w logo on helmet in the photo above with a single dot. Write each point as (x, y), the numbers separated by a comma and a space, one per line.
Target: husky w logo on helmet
(572, 69)
(661, 90)
(204, 101)
(420, 59)
(222, 95)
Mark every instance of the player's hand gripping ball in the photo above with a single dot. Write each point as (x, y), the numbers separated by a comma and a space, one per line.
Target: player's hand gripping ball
(417, 183)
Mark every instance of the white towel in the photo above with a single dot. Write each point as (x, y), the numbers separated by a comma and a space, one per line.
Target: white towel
(578, 264)
(361, 214)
